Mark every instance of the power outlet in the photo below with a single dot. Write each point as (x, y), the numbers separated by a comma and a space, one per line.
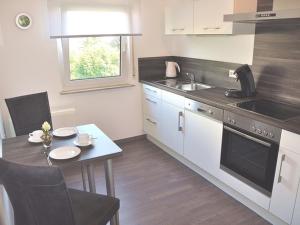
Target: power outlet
(232, 74)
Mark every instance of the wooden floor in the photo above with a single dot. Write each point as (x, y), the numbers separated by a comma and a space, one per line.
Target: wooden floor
(156, 189)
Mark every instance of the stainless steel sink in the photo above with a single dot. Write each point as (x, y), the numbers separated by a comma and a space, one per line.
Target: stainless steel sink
(193, 87)
(183, 85)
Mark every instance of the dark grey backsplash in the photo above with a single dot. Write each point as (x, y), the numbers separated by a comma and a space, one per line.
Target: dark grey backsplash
(211, 72)
(265, 5)
(276, 63)
(153, 68)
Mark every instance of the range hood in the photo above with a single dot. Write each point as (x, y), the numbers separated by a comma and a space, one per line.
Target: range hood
(276, 10)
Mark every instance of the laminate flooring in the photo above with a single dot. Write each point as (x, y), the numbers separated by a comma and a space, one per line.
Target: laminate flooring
(156, 189)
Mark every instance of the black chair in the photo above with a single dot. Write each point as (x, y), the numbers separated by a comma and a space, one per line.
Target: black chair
(39, 196)
(28, 112)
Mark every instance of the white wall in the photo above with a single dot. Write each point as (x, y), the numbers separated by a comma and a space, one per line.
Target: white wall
(28, 64)
(226, 48)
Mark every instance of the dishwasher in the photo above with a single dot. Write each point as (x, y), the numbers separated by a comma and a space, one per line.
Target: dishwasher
(203, 135)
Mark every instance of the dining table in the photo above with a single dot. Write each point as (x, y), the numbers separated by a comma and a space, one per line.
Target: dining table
(19, 150)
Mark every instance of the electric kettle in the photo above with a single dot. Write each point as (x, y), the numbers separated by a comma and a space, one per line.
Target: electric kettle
(171, 69)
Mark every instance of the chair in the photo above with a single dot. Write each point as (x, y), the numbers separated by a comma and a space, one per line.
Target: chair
(28, 112)
(39, 196)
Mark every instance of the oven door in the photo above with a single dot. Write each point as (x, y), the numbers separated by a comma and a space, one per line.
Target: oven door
(249, 158)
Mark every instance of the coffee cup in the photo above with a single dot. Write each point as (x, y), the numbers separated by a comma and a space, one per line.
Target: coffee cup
(83, 139)
(36, 134)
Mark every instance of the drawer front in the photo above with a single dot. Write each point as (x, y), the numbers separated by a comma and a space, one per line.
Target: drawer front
(151, 126)
(290, 141)
(151, 106)
(173, 99)
(152, 91)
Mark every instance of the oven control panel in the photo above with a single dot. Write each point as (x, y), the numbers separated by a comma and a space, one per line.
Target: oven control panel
(261, 129)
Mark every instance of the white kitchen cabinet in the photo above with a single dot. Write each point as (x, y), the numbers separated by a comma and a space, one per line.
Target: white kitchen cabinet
(152, 91)
(287, 176)
(152, 106)
(198, 16)
(209, 16)
(296, 216)
(152, 127)
(202, 141)
(152, 111)
(179, 17)
(172, 127)
(172, 120)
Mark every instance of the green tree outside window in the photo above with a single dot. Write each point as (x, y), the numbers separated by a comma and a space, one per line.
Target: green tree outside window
(94, 57)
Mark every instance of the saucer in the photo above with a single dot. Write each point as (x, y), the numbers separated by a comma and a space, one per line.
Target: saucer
(35, 140)
(83, 145)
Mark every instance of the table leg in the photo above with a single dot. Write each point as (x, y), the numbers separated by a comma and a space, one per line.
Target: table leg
(6, 210)
(83, 177)
(91, 178)
(110, 187)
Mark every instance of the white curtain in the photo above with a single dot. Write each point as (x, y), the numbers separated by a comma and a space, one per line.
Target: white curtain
(81, 18)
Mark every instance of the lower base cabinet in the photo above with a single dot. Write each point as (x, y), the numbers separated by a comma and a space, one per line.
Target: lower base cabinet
(152, 127)
(202, 141)
(296, 216)
(172, 127)
(285, 187)
(285, 196)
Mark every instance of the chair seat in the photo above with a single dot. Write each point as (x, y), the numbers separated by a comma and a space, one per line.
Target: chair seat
(92, 209)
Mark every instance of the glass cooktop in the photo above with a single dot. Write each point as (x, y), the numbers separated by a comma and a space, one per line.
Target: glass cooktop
(272, 109)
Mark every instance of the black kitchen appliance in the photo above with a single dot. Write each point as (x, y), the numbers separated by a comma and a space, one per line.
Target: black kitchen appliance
(250, 151)
(245, 76)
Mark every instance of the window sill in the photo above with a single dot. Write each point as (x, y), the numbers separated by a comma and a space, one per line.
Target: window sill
(100, 88)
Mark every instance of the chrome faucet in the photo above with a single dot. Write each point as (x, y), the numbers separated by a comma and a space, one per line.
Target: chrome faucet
(191, 76)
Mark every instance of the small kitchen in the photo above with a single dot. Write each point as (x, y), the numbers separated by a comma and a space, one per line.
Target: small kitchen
(234, 124)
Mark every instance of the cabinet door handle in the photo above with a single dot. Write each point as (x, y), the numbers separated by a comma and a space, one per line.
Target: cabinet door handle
(281, 162)
(180, 128)
(178, 29)
(148, 89)
(154, 123)
(149, 100)
(204, 111)
(211, 28)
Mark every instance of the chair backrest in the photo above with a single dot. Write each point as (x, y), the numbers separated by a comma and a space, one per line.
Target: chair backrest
(38, 195)
(28, 112)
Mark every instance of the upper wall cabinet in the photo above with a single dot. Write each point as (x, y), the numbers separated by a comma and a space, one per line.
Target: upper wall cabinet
(209, 15)
(179, 17)
(204, 17)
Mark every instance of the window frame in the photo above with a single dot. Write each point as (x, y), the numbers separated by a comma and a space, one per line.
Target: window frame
(126, 64)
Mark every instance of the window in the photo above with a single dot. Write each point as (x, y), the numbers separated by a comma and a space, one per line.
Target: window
(94, 41)
(94, 57)
(95, 62)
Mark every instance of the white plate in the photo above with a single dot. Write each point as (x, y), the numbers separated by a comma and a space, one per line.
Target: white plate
(65, 132)
(81, 145)
(35, 140)
(64, 153)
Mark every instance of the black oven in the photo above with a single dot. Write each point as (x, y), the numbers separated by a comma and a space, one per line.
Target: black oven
(250, 154)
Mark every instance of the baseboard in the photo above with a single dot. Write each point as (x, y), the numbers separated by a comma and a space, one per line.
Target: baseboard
(130, 139)
(228, 190)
